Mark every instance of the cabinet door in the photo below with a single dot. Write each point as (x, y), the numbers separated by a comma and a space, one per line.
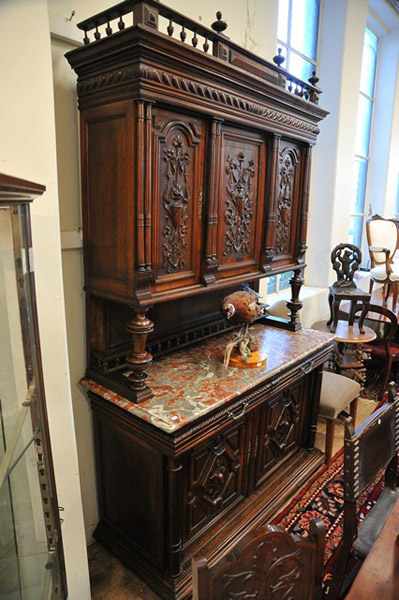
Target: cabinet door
(178, 163)
(215, 478)
(279, 430)
(289, 191)
(241, 202)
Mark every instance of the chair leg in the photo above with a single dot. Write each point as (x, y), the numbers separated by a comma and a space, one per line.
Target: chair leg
(371, 286)
(330, 428)
(353, 410)
(394, 296)
(387, 375)
(386, 291)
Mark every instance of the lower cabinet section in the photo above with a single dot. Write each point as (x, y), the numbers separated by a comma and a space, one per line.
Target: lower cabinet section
(165, 497)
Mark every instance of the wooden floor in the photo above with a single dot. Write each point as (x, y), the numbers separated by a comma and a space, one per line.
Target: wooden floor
(110, 580)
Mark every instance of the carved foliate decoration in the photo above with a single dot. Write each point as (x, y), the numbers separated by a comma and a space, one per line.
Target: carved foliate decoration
(285, 197)
(239, 206)
(275, 573)
(175, 202)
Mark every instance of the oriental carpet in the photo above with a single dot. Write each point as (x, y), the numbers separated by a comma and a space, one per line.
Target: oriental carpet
(323, 499)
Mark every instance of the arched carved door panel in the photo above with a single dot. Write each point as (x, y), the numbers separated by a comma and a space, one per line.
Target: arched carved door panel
(177, 199)
(241, 202)
(288, 194)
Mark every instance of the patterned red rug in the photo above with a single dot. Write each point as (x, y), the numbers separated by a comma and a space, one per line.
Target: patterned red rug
(323, 499)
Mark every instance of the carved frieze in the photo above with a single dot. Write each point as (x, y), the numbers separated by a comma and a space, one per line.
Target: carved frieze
(288, 160)
(238, 206)
(175, 203)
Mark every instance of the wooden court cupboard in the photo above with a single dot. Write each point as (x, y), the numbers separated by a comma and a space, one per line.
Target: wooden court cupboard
(195, 158)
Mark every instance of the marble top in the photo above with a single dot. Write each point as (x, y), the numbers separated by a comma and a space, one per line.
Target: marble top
(192, 382)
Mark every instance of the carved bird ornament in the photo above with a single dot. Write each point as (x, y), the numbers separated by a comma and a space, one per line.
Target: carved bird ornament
(242, 308)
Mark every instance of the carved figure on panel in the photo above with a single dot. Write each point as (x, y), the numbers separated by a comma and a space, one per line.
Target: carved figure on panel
(175, 202)
(238, 212)
(345, 260)
(288, 161)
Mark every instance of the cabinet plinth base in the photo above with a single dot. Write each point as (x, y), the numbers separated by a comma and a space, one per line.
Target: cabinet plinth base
(263, 504)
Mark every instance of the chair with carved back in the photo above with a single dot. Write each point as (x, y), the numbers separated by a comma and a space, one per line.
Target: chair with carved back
(384, 351)
(346, 259)
(368, 450)
(383, 242)
(267, 564)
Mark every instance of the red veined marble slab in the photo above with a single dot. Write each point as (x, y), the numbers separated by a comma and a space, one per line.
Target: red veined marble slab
(192, 382)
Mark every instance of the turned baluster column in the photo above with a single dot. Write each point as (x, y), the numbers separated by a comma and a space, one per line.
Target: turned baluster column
(295, 305)
(139, 358)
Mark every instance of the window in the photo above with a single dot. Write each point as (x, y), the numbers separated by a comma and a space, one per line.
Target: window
(362, 139)
(297, 35)
(277, 283)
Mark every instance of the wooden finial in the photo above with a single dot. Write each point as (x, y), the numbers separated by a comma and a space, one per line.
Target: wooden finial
(219, 26)
(279, 58)
(314, 80)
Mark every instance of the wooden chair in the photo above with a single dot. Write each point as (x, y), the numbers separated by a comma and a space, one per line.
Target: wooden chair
(338, 394)
(368, 449)
(267, 564)
(383, 241)
(383, 352)
(345, 260)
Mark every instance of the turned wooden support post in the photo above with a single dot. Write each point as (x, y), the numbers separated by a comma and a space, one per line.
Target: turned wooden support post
(139, 328)
(295, 304)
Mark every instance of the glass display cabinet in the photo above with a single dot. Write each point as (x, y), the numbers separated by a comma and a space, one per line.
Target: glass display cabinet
(31, 554)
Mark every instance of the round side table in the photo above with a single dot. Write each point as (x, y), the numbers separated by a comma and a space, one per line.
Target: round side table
(350, 354)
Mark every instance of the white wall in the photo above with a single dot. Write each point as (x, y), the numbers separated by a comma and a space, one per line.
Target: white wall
(27, 150)
(332, 186)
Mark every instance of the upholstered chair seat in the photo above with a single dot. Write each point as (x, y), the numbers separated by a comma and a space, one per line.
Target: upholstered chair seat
(379, 273)
(338, 393)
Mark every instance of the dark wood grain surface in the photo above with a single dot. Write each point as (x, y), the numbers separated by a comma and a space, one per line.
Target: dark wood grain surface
(379, 574)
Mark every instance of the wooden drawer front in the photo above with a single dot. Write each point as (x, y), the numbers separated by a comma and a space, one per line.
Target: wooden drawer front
(241, 201)
(288, 190)
(215, 478)
(279, 429)
(177, 199)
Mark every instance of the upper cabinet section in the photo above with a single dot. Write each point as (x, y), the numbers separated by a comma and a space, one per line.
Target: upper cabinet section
(195, 157)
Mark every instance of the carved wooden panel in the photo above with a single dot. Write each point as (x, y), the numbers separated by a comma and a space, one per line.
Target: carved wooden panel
(241, 202)
(267, 564)
(280, 427)
(177, 198)
(215, 478)
(288, 191)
